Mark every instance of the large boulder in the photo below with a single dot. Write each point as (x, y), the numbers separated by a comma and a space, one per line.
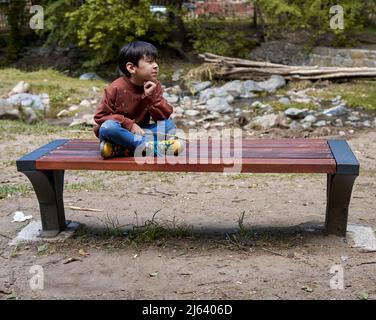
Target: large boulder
(27, 100)
(7, 111)
(218, 104)
(90, 76)
(268, 121)
(272, 84)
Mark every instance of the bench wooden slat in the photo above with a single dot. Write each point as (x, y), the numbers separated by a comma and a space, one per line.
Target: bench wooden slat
(204, 165)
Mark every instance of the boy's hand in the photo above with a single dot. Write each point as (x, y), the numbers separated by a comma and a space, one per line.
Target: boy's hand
(149, 87)
(136, 129)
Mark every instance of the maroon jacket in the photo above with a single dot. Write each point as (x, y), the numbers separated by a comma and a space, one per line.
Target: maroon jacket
(125, 102)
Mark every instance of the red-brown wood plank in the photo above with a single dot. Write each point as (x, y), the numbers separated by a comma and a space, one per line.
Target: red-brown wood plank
(253, 155)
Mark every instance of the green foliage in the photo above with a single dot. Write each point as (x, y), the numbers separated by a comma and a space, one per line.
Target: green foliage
(17, 20)
(56, 24)
(313, 16)
(103, 26)
(218, 36)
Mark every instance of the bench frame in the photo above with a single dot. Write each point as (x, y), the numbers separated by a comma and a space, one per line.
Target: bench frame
(49, 185)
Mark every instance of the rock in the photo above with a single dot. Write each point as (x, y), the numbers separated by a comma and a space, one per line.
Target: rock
(267, 108)
(85, 103)
(174, 90)
(295, 113)
(294, 125)
(299, 96)
(206, 125)
(27, 100)
(353, 118)
(242, 121)
(211, 117)
(73, 108)
(272, 84)
(30, 116)
(205, 95)
(234, 88)
(191, 113)
(187, 101)
(200, 86)
(63, 113)
(366, 123)
(218, 104)
(191, 123)
(7, 111)
(90, 76)
(342, 133)
(173, 99)
(250, 86)
(284, 100)
(178, 110)
(351, 131)
(256, 104)
(338, 123)
(267, 121)
(309, 118)
(306, 125)
(95, 89)
(219, 124)
(218, 92)
(230, 99)
(21, 87)
(321, 123)
(335, 111)
(86, 119)
(176, 75)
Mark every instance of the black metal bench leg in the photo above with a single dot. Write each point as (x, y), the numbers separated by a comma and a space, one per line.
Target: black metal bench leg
(339, 188)
(48, 186)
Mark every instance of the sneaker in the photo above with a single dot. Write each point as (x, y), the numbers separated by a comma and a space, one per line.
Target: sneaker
(110, 150)
(165, 147)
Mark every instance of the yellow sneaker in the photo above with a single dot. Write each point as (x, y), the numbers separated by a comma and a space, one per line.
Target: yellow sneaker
(110, 150)
(166, 147)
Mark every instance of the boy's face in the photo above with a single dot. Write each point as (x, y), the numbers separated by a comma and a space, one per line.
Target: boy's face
(147, 69)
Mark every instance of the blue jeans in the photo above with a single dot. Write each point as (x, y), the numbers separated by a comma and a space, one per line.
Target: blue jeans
(112, 131)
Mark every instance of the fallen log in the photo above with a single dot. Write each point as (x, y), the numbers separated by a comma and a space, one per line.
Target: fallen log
(235, 68)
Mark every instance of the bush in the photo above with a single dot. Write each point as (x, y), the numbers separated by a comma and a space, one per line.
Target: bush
(219, 36)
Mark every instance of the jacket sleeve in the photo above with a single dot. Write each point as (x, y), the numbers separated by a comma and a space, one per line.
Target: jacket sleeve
(106, 110)
(157, 105)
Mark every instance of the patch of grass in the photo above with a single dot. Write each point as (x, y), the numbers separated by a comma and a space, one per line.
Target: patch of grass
(282, 107)
(240, 176)
(152, 230)
(95, 184)
(9, 163)
(10, 190)
(241, 238)
(357, 94)
(14, 252)
(58, 86)
(9, 127)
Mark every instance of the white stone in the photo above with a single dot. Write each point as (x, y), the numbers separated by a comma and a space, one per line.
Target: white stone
(21, 87)
(191, 113)
(85, 103)
(63, 113)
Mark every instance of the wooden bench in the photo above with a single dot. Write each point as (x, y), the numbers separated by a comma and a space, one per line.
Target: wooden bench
(45, 169)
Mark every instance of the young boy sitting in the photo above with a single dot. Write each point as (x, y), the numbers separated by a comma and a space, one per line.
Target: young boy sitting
(124, 113)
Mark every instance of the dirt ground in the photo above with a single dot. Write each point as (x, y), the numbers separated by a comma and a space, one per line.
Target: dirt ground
(278, 251)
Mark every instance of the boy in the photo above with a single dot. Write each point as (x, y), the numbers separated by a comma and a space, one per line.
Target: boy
(124, 113)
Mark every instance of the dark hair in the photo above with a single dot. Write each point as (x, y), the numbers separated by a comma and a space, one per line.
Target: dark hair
(133, 52)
